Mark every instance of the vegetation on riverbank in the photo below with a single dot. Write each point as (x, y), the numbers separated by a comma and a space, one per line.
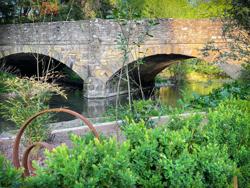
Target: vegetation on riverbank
(3, 77)
(25, 98)
(9, 176)
(140, 110)
(184, 152)
(193, 9)
(144, 109)
(199, 151)
(190, 70)
(235, 89)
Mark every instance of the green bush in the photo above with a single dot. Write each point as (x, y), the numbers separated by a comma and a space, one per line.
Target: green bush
(179, 8)
(139, 110)
(10, 177)
(185, 152)
(235, 89)
(183, 157)
(200, 66)
(90, 163)
(30, 97)
(229, 124)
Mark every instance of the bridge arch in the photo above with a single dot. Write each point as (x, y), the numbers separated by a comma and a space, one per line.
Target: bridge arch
(39, 65)
(50, 53)
(168, 50)
(143, 71)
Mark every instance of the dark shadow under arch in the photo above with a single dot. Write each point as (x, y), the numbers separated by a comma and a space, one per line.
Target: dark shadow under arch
(143, 71)
(39, 65)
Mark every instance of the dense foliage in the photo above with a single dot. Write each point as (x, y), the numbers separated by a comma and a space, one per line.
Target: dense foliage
(166, 157)
(9, 176)
(200, 66)
(236, 26)
(179, 8)
(229, 124)
(188, 70)
(89, 163)
(55, 10)
(235, 89)
(186, 152)
(139, 110)
(25, 98)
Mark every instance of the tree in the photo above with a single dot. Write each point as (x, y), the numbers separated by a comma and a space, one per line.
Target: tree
(179, 8)
(237, 27)
(7, 10)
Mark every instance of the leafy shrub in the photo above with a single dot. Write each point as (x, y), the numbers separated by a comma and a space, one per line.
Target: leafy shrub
(140, 110)
(230, 124)
(186, 152)
(31, 96)
(229, 90)
(9, 176)
(160, 157)
(179, 9)
(5, 74)
(90, 163)
(204, 67)
(183, 157)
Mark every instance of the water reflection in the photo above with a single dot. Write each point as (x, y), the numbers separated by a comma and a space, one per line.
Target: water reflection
(171, 94)
(167, 95)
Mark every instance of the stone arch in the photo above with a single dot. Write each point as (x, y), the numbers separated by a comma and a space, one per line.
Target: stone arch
(26, 63)
(143, 74)
(156, 59)
(170, 52)
(68, 60)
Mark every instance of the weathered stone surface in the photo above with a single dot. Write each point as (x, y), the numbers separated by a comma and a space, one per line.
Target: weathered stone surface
(91, 49)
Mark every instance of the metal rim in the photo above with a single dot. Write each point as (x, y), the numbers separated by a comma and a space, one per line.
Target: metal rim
(25, 162)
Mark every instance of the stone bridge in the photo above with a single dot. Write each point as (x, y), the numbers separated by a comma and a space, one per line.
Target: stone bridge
(94, 49)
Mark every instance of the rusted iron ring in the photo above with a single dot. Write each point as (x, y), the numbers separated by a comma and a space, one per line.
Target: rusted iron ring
(25, 160)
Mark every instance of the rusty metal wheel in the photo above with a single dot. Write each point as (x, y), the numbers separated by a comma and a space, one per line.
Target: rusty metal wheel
(26, 163)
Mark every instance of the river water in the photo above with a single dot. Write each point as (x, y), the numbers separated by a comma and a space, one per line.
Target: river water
(168, 95)
(96, 108)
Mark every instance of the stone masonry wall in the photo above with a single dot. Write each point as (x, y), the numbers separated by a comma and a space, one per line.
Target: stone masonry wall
(91, 49)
